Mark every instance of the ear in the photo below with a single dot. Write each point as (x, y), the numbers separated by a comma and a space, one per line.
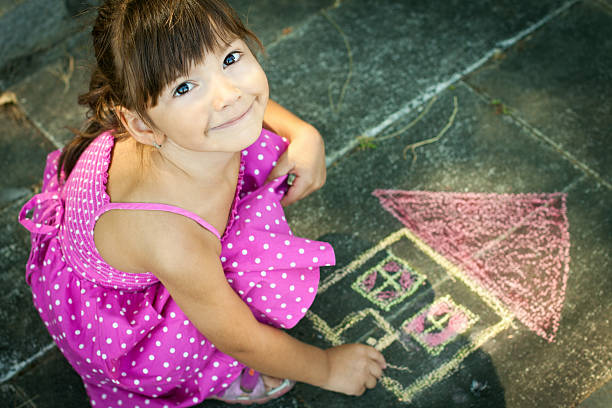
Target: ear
(137, 127)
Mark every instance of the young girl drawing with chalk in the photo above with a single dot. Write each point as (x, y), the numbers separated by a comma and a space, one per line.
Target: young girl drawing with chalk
(161, 262)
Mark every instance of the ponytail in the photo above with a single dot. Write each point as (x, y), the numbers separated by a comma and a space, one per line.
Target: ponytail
(100, 117)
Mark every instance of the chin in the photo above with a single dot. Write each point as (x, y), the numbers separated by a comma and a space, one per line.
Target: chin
(253, 136)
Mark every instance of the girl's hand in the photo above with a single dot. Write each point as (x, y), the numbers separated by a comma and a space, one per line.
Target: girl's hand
(353, 368)
(305, 158)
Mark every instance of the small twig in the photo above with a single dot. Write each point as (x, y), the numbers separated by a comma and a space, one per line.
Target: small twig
(398, 367)
(413, 146)
(369, 142)
(64, 76)
(411, 124)
(336, 109)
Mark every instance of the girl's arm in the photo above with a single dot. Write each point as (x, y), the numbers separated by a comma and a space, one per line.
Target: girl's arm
(186, 260)
(305, 156)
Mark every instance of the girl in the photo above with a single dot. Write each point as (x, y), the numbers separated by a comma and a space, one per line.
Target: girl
(161, 262)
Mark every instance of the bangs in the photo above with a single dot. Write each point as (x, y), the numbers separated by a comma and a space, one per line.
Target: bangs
(167, 37)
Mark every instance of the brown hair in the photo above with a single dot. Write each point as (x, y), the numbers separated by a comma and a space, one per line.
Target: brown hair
(140, 47)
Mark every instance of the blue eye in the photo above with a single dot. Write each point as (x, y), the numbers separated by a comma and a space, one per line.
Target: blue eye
(231, 58)
(183, 88)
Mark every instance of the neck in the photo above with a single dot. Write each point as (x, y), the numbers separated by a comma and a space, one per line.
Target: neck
(199, 168)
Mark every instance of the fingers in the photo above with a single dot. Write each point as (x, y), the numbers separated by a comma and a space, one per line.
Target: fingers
(374, 366)
(298, 190)
(378, 357)
(376, 371)
(283, 166)
(371, 382)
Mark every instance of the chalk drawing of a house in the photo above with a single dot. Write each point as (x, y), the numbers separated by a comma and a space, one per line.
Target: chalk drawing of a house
(419, 305)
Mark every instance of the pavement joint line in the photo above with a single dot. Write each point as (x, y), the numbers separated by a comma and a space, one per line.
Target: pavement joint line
(37, 125)
(539, 135)
(605, 5)
(536, 133)
(602, 383)
(27, 401)
(17, 368)
(522, 34)
(437, 89)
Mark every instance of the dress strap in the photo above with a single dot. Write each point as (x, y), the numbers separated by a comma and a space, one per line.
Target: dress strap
(160, 207)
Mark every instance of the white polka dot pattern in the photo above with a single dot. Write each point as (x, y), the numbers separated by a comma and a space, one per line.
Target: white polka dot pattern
(122, 332)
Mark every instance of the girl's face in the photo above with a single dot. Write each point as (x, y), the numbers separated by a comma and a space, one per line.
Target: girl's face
(218, 107)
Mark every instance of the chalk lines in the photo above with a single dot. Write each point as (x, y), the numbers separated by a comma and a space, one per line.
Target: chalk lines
(516, 246)
(436, 328)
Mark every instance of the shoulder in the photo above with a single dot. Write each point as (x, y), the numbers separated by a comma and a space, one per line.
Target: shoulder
(152, 241)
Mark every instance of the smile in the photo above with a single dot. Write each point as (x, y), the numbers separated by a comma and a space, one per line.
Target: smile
(234, 121)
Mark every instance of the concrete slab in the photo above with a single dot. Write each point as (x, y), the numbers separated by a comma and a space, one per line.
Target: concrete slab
(559, 81)
(600, 398)
(483, 151)
(22, 155)
(22, 333)
(49, 97)
(31, 28)
(272, 21)
(51, 383)
(358, 65)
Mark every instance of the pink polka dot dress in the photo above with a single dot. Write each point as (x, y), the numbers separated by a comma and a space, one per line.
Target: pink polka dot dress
(122, 332)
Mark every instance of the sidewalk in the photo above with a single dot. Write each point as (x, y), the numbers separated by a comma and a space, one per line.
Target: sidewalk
(451, 255)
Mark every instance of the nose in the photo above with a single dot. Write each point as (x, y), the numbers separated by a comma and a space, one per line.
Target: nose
(226, 93)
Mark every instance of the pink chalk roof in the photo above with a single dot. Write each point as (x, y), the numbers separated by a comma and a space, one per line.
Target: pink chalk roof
(516, 246)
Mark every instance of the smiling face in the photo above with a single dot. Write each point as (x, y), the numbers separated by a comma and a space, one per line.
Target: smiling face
(217, 107)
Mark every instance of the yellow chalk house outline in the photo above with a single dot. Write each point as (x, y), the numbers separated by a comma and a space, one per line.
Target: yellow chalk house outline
(407, 393)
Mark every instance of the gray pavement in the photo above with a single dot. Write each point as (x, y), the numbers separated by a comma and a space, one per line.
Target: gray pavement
(501, 98)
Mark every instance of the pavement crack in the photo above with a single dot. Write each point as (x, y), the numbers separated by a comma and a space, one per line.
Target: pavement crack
(63, 74)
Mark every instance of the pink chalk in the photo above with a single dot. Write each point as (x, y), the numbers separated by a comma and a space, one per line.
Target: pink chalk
(438, 324)
(516, 246)
(369, 282)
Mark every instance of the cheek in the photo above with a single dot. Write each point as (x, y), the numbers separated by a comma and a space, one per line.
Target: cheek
(254, 80)
(189, 116)
(263, 81)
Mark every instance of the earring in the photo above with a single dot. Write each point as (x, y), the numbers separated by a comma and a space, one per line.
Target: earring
(156, 145)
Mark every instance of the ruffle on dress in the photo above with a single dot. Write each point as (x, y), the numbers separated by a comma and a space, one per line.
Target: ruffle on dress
(274, 272)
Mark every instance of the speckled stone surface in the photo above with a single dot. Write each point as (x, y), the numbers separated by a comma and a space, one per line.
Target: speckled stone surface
(483, 151)
(360, 64)
(549, 79)
(23, 150)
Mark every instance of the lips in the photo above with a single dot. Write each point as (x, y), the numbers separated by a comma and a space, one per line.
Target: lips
(233, 121)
